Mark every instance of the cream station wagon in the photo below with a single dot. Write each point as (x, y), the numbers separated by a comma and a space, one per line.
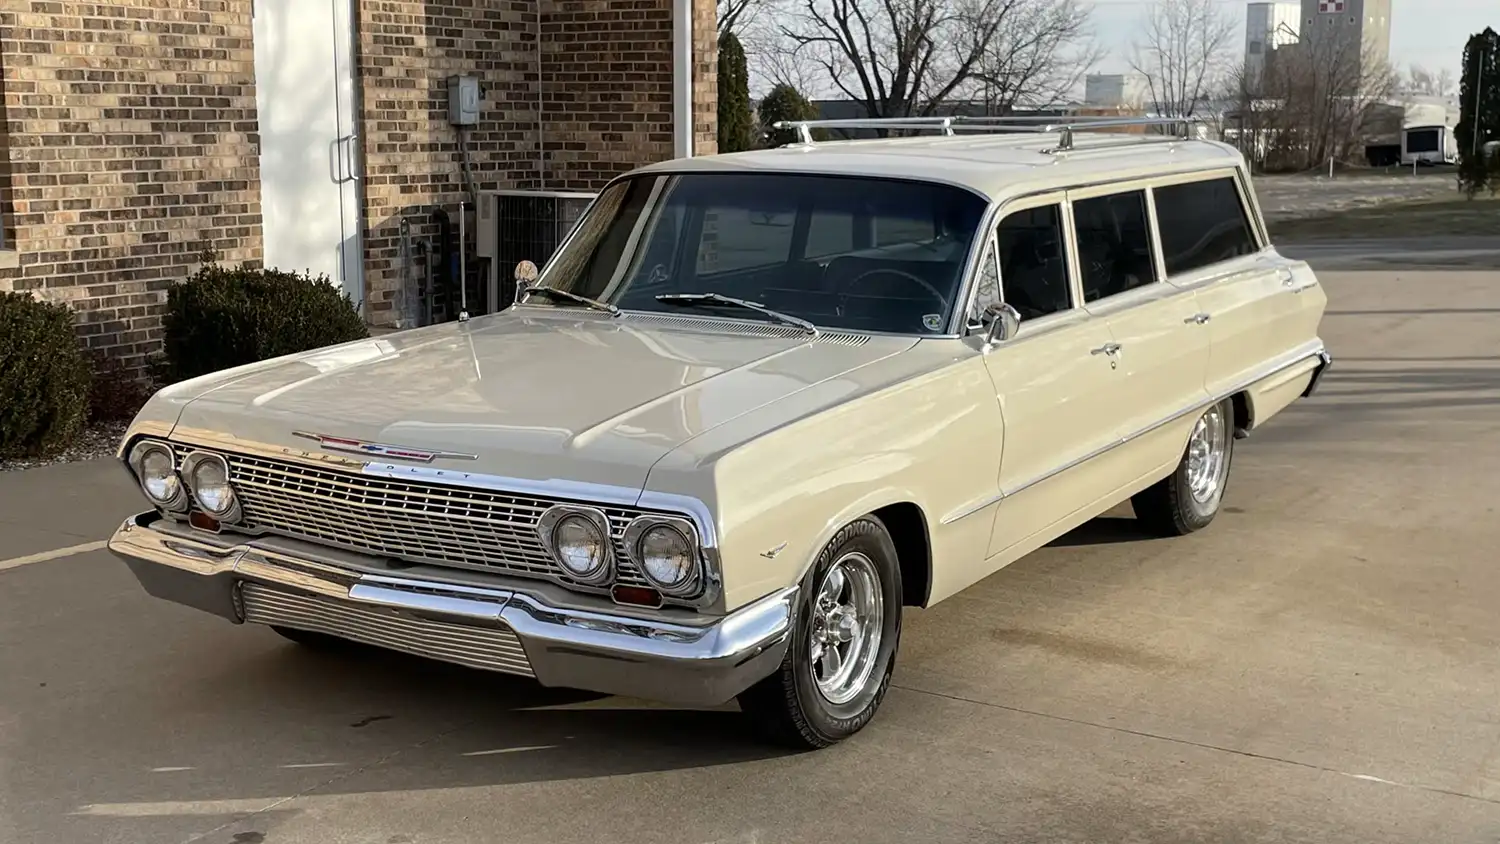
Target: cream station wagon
(756, 406)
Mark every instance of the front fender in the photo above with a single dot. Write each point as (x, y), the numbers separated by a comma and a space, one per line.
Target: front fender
(780, 494)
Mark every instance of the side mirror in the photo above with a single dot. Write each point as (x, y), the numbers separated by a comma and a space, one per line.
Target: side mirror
(526, 273)
(1003, 322)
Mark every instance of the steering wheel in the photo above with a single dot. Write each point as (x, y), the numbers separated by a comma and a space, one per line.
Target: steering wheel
(844, 297)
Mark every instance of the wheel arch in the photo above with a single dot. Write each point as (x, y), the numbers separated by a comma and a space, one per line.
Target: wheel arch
(1244, 414)
(910, 530)
(907, 525)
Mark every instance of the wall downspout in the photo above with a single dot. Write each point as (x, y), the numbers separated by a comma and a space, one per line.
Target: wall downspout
(682, 78)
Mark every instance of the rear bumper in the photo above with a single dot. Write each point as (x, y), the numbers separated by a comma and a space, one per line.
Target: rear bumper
(488, 628)
(1325, 361)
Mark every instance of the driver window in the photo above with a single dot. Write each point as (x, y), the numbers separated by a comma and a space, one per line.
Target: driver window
(1033, 263)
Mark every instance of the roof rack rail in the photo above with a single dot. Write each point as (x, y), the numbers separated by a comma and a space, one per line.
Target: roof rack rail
(1063, 127)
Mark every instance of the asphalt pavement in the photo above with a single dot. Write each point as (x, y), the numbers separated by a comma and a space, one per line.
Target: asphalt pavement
(1319, 665)
(1455, 252)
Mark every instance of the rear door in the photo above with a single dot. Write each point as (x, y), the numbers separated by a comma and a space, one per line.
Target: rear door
(1158, 345)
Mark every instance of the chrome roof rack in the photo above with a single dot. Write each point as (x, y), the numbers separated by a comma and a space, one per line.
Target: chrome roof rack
(1062, 126)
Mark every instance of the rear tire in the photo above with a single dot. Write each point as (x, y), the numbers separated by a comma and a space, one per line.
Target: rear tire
(1187, 500)
(843, 647)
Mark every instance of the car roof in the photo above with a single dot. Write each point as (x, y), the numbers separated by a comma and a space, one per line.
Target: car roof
(995, 166)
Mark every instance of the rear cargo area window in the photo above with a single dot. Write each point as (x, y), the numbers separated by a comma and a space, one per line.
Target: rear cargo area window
(1201, 223)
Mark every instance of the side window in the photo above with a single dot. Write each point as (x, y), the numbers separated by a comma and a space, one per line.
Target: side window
(1114, 244)
(829, 232)
(1201, 223)
(742, 238)
(1033, 262)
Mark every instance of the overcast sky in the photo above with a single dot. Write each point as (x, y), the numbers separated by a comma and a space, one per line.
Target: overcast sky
(1426, 32)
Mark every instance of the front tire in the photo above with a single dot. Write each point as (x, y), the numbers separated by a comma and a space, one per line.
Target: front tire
(843, 648)
(1187, 500)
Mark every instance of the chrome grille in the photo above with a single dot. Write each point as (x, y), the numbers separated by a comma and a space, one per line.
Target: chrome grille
(486, 648)
(463, 527)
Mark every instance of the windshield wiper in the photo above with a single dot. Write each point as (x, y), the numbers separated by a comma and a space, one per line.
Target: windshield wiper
(573, 297)
(721, 299)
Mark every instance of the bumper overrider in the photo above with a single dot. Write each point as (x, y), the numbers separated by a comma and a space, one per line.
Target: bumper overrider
(495, 629)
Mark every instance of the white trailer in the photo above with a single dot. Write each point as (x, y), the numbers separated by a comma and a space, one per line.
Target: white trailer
(1428, 145)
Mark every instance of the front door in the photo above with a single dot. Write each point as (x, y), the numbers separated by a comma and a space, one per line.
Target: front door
(1053, 380)
(309, 149)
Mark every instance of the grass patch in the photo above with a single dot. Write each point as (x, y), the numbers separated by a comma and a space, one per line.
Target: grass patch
(1422, 218)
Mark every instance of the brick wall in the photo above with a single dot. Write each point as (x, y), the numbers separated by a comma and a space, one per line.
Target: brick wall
(130, 144)
(407, 49)
(594, 101)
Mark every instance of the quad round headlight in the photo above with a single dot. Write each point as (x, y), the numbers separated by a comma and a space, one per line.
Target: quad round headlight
(666, 553)
(578, 539)
(155, 469)
(208, 476)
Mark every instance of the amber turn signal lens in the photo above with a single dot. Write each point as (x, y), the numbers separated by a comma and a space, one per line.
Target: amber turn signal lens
(203, 521)
(638, 596)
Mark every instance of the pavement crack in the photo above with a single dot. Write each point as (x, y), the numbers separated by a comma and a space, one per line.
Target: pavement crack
(1201, 745)
(343, 775)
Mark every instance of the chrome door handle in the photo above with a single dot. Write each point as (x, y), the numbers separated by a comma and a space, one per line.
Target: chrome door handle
(1199, 318)
(1106, 349)
(1288, 278)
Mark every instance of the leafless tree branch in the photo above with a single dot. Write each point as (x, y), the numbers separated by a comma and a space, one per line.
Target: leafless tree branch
(1183, 54)
(901, 58)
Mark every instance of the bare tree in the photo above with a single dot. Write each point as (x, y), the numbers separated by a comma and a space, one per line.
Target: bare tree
(775, 60)
(898, 58)
(1317, 102)
(1037, 57)
(1422, 82)
(734, 14)
(1183, 54)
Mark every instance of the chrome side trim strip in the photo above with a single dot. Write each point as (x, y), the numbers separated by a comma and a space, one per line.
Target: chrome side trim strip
(1285, 362)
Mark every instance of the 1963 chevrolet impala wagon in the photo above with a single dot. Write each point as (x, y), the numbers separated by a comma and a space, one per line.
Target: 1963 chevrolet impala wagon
(755, 406)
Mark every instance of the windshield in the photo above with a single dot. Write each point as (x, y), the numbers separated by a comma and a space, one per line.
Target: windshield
(868, 254)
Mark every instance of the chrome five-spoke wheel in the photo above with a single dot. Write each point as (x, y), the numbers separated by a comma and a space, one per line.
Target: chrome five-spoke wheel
(1208, 455)
(838, 660)
(1189, 498)
(846, 618)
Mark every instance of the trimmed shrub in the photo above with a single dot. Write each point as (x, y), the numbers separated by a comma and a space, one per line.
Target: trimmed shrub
(736, 123)
(116, 393)
(44, 377)
(785, 103)
(230, 316)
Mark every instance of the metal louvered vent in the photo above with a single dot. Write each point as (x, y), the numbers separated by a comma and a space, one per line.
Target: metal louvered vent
(526, 226)
(838, 338)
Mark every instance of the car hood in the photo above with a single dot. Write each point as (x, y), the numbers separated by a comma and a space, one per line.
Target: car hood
(531, 394)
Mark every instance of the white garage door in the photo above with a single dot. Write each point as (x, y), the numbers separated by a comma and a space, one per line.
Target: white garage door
(309, 150)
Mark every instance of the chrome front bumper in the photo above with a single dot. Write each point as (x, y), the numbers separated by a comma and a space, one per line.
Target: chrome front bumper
(496, 629)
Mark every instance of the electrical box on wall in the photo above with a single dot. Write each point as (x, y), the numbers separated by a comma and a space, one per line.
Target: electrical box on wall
(463, 100)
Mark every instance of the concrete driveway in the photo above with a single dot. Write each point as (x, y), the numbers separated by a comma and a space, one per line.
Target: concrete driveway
(1318, 666)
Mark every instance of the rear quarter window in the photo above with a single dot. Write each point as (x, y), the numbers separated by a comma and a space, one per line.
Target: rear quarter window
(1201, 223)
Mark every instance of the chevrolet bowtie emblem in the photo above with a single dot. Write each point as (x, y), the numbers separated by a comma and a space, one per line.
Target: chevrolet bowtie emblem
(396, 452)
